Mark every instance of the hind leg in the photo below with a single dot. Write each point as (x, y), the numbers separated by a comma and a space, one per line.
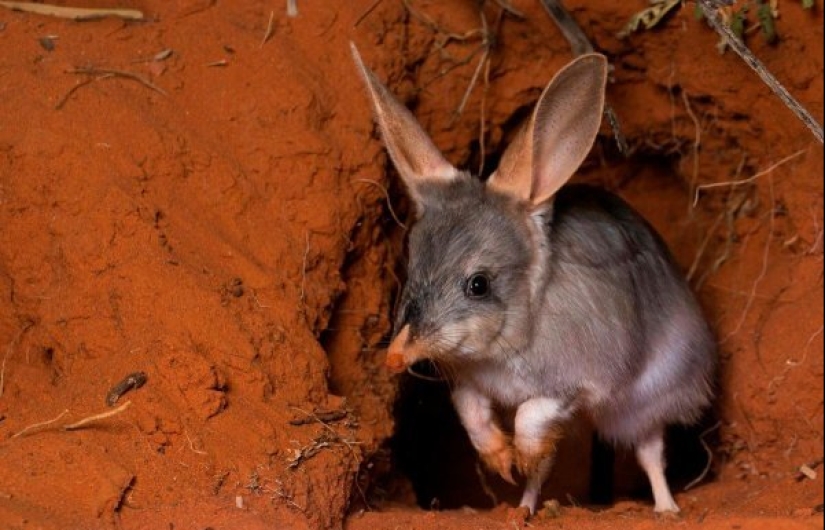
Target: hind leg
(532, 490)
(650, 453)
(536, 434)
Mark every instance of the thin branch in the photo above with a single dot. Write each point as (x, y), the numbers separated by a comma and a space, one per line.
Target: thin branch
(707, 7)
(579, 42)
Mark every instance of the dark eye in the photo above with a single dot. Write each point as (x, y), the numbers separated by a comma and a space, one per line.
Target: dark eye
(478, 285)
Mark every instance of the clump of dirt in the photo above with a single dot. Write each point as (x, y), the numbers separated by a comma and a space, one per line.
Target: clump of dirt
(235, 236)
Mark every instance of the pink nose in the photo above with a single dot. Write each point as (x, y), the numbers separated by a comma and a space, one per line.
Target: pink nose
(396, 361)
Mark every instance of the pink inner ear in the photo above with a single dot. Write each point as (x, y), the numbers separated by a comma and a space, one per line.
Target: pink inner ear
(565, 124)
(516, 164)
(561, 131)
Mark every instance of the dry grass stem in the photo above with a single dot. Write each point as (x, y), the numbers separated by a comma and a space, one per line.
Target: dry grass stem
(72, 90)
(192, 446)
(304, 261)
(270, 26)
(104, 73)
(763, 271)
(9, 350)
(34, 426)
(367, 13)
(703, 246)
(97, 417)
(790, 364)
(72, 13)
(697, 140)
(747, 180)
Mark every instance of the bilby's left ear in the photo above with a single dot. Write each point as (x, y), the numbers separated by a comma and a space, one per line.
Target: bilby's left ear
(415, 156)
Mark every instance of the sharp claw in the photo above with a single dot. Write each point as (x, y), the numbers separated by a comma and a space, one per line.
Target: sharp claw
(507, 475)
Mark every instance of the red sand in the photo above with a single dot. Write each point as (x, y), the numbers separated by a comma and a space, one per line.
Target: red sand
(230, 237)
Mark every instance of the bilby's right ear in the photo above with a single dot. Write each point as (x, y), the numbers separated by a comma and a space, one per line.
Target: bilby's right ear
(417, 159)
(560, 133)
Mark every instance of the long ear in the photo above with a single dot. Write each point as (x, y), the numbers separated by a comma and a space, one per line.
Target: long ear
(560, 133)
(415, 156)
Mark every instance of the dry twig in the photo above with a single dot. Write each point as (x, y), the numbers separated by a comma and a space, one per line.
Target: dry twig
(707, 7)
(72, 13)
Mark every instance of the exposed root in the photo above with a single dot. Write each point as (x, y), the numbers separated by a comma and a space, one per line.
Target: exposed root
(97, 417)
(709, 462)
(757, 176)
(386, 193)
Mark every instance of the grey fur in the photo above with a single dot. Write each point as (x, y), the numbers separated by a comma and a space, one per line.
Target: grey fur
(616, 331)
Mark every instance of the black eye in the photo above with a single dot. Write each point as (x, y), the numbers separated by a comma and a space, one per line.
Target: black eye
(478, 285)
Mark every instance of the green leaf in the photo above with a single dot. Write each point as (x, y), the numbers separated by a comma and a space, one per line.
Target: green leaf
(808, 4)
(737, 22)
(766, 22)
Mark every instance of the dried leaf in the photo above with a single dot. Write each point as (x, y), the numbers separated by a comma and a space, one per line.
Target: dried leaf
(163, 55)
(650, 17)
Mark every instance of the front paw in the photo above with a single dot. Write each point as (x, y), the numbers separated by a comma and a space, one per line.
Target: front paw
(500, 460)
(535, 457)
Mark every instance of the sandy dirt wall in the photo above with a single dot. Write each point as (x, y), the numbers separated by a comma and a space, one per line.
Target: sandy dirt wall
(220, 224)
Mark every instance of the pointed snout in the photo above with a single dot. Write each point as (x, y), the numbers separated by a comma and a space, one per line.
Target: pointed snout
(403, 351)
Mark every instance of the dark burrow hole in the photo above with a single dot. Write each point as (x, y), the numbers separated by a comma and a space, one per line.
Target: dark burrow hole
(431, 450)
